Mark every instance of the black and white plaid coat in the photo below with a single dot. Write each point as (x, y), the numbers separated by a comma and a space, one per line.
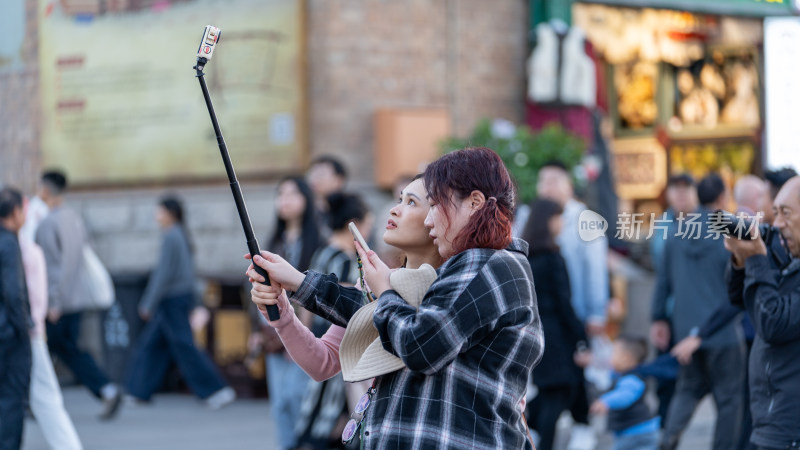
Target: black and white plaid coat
(468, 351)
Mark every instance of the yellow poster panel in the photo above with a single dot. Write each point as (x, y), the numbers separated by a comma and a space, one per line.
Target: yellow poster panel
(121, 103)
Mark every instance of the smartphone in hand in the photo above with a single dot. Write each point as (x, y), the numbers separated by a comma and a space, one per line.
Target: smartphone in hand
(357, 235)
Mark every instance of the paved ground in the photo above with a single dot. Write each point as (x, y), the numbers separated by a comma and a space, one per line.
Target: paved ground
(177, 422)
(697, 437)
(172, 422)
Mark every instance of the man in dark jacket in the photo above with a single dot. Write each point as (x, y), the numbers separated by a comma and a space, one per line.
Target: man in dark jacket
(15, 322)
(772, 298)
(694, 263)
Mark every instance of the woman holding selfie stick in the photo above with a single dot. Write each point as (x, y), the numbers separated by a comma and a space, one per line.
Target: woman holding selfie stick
(470, 345)
(319, 357)
(405, 230)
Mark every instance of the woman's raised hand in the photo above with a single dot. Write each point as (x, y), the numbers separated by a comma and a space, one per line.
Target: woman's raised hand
(279, 270)
(376, 272)
(263, 296)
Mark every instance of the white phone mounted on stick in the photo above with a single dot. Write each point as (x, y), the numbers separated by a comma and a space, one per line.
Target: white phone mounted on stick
(211, 36)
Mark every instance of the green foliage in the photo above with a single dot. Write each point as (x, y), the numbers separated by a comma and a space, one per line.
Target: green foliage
(523, 151)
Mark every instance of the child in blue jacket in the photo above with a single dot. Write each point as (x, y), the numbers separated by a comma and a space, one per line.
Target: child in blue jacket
(629, 417)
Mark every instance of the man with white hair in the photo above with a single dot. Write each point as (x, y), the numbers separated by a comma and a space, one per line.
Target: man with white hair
(770, 296)
(750, 194)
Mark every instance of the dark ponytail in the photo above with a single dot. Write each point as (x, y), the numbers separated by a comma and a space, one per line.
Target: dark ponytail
(344, 208)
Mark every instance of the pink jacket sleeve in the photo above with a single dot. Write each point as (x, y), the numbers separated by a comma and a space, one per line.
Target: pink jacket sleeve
(36, 281)
(319, 358)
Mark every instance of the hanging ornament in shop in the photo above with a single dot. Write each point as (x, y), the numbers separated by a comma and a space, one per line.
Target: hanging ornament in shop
(685, 26)
(592, 165)
(559, 69)
(742, 107)
(720, 90)
(635, 85)
(623, 35)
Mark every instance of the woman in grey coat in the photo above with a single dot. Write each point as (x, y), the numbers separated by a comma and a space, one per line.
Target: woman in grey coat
(166, 304)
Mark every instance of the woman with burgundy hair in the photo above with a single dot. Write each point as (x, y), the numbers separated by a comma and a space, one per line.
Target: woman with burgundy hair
(469, 347)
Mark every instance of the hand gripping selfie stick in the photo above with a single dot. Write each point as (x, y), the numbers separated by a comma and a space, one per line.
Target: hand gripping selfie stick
(211, 37)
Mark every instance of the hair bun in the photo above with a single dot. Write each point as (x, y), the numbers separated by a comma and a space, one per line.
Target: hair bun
(343, 208)
(336, 200)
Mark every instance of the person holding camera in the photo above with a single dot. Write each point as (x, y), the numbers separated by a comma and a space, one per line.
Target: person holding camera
(772, 298)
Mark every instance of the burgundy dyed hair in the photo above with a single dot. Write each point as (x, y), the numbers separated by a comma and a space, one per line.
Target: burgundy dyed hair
(455, 175)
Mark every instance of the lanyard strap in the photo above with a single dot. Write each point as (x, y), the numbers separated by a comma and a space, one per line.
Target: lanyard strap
(368, 295)
(361, 428)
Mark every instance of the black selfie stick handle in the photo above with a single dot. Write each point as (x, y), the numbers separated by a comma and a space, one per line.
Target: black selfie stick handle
(241, 208)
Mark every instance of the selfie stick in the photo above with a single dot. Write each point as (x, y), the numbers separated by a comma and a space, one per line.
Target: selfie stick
(211, 37)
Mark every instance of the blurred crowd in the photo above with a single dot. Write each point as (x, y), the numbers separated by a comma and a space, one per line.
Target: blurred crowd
(711, 314)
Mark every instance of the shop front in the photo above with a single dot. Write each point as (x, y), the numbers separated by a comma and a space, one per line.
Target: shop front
(680, 85)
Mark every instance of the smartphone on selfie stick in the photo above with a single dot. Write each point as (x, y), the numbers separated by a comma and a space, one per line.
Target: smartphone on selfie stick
(208, 43)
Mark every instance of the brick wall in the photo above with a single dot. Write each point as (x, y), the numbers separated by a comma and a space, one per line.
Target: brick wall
(20, 157)
(465, 55)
